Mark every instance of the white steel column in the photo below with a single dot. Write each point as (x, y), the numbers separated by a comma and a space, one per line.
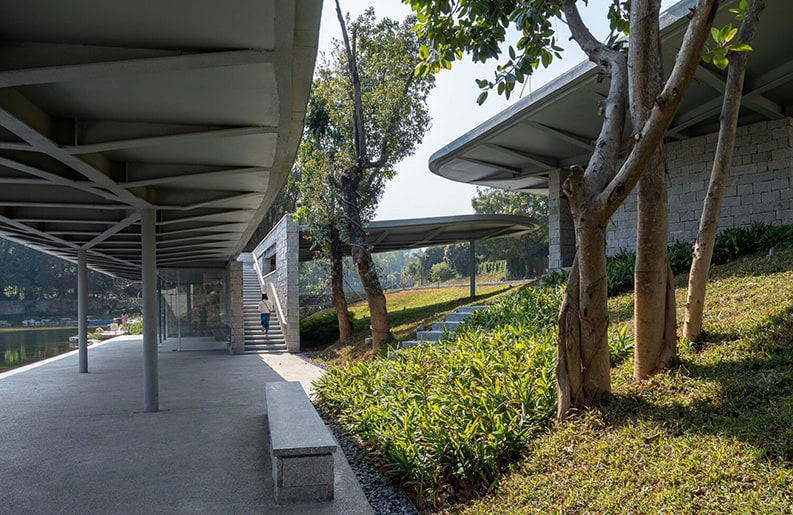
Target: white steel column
(82, 310)
(149, 265)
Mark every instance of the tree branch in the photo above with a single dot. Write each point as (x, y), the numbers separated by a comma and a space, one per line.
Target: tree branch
(607, 147)
(652, 132)
(359, 132)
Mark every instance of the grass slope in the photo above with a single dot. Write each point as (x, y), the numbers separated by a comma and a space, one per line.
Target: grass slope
(712, 435)
(407, 309)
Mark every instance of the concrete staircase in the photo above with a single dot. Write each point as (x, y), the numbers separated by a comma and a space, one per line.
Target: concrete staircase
(255, 341)
(438, 329)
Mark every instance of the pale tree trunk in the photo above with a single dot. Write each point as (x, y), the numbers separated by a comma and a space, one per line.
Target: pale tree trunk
(709, 221)
(337, 285)
(362, 258)
(655, 347)
(594, 194)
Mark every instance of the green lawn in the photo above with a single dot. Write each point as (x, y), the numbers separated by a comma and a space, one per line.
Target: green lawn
(407, 309)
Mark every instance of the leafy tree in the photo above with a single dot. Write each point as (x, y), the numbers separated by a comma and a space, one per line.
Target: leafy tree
(520, 248)
(749, 15)
(370, 114)
(458, 256)
(320, 205)
(431, 256)
(441, 272)
(636, 89)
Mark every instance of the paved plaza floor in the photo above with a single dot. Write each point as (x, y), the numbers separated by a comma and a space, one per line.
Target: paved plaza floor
(76, 443)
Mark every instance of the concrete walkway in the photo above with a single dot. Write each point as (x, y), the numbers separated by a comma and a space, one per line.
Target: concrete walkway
(81, 443)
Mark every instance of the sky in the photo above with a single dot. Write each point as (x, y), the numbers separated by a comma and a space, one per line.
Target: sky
(416, 192)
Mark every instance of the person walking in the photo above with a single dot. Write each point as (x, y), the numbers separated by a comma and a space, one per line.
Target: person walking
(265, 309)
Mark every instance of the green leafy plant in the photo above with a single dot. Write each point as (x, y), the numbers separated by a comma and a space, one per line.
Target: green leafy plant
(445, 420)
(619, 269)
(555, 278)
(680, 256)
(322, 329)
(723, 40)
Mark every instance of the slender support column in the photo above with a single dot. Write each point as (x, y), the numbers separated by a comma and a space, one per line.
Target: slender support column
(472, 248)
(149, 261)
(82, 310)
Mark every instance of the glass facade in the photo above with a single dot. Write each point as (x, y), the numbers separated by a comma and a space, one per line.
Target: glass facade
(194, 303)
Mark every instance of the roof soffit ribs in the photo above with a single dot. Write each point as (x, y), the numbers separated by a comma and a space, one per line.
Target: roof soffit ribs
(552, 127)
(197, 117)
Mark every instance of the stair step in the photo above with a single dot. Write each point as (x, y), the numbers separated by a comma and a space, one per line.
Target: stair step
(432, 336)
(470, 309)
(457, 317)
(449, 326)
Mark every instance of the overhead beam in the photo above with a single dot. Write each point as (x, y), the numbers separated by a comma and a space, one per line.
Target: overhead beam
(573, 139)
(120, 226)
(184, 177)
(534, 159)
(101, 70)
(31, 124)
(108, 146)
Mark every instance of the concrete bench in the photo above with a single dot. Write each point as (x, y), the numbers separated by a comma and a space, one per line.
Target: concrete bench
(301, 447)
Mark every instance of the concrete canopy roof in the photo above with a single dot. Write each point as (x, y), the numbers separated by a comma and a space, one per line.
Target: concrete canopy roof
(388, 235)
(556, 126)
(191, 107)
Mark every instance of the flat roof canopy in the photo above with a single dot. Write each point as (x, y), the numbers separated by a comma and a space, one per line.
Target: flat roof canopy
(193, 108)
(389, 235)
(556, 126)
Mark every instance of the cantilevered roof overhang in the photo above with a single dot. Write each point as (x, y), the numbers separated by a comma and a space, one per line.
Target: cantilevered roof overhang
(191, 107)
(389, 235)
(556, 126)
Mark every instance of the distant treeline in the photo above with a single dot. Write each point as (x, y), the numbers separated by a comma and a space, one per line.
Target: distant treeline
(28, 274)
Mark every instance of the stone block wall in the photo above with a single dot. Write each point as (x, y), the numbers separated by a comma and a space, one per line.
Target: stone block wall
(759, 188)
(561, 244)
(236, 316)
(280, 247)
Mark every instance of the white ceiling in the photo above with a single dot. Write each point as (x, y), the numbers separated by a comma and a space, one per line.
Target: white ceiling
(192, 107)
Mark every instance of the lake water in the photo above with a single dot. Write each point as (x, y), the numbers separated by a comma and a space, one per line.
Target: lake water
(25, 346)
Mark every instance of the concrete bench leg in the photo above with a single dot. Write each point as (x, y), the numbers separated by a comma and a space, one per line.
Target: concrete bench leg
(303, 478)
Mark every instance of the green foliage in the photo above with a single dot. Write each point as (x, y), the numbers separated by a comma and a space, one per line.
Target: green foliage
(519, 251)
(713, 435)
(619, 270)
(621, 344)
(680, 256)
(723, 40)
(350, 146)
(134, 326)
(731, 243)
(322, 329)
(555, 278)
(445, 420)
(478, 27)
(441, 272)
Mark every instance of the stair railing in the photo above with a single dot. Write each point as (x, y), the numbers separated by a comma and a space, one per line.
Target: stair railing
(268, 285)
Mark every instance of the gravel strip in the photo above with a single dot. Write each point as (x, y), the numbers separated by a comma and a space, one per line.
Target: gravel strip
(383, 496)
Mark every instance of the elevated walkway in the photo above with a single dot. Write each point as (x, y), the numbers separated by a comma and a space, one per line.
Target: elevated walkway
(80, 443)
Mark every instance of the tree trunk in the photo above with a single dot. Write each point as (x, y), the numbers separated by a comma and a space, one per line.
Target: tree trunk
(583, 374)
(655, 346)
(362, 259)
(709, 221)
(337, 285)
